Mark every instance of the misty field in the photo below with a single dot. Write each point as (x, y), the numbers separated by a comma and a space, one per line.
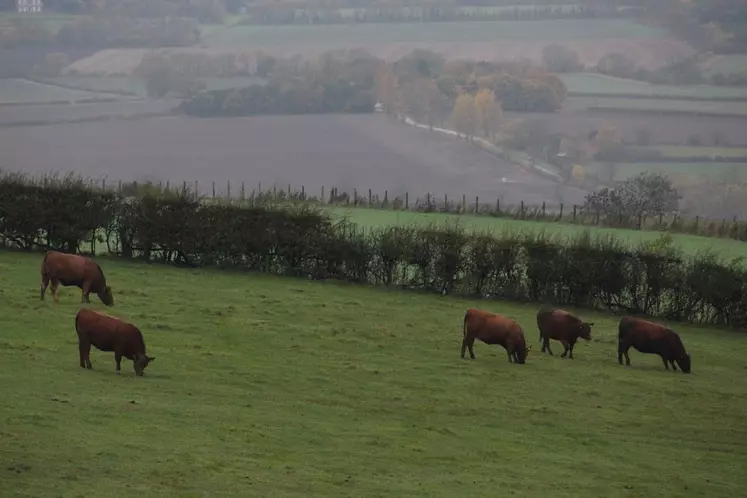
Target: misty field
(271, 386)
(597, 84)
(592, 39)
(18, 91)
(663, 105)
(375, 218)
(718, 172)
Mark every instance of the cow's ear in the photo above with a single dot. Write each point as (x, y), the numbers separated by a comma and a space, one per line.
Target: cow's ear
(591, 324)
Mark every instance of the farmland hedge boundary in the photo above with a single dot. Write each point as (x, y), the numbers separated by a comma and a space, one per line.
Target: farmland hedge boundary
(653, 279)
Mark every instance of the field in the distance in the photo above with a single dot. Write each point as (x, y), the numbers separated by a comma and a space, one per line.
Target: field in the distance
(279, 387)
(377, 218)
(581, 83)
(344, 151)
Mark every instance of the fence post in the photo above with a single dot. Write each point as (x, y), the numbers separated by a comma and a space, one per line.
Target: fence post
(90, 184)
(477, 204)
(428, 201)
(168, 189)
(213, 190)
(369, 197)
(574, 212)
(407, 201)
(197, 189)
(119, 187)
(184, 187)
(543, 209)
(303, 192)
(697, 219)
(243, 191)
(228, 188)
(324, 201)
(355, 197)
(498, 206)
(386, 198)
(103, 184)
(289, 191)
(521, 211)
(561, 212)
(274, 193)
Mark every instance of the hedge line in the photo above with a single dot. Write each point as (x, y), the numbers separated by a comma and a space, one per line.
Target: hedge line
(653, 279)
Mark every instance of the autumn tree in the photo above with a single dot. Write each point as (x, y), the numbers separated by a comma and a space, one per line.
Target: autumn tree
(488, 112)
(464, 115)
(560, 59)
(386, 88)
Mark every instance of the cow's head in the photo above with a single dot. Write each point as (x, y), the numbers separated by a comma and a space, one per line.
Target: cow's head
(584, 330)
(684, 363)
(106, 296)
(140, 362)
(522, 353)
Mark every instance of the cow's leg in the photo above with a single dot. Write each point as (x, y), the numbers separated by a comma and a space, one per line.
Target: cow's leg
(565, 352)
(44, 285)
(546, 346)
(85, 290)
(118, 359)
(666, 362)
(469, 342)
(84, 348)
(622, 350)
(570, 349)
(55, 285)
(510, 355)
(674, 366)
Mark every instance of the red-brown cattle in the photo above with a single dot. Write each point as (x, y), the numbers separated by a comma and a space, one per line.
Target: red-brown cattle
(653, 338)
(561, 326)
(109, 333)
(72, 269)
(492, 328)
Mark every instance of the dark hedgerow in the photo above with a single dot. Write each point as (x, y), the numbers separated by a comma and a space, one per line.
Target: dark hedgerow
(602, 272)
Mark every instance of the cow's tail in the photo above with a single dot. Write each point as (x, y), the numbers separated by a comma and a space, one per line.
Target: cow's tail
(44, 264)
(77, 319)
(464, 326)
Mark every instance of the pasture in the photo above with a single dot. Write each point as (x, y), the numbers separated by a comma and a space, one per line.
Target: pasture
(283, 387)
(662, 105)
(18, 91)
(503, 40)
(377, 218)
(591, 83)
(684, 172)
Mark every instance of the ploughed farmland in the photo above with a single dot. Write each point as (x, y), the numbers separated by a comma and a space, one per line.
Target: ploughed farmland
(349, 152)
(271, 386)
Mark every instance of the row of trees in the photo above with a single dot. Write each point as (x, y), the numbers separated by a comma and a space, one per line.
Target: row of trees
(279, 14)
(422, 84)
(560, 59)
(653, 279)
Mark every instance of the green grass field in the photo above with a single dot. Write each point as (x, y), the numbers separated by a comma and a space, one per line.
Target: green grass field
(598, 83)
(17, 91)
(694, 151)
(373, 218)
(484, 31)
(709, 171)
(266, 386)
(633, 104)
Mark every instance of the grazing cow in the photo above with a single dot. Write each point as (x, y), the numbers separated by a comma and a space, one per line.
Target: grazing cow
(492, 328)
(649, 337)
(72, 269)
(108, 333)
(562, 326)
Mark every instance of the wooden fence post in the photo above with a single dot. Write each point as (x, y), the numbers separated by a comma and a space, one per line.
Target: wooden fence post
(464, 203)
(446, 202)
(407, 201)
(386, 198)
(498, 206)
(197, 189)
(355, 197)
(521, 211)
(324, 201)
(243, 191)
(103, 184)
(213, 190)
(477, 204)
(561, 212)
(303, 192)
(574, 212)
(369, 197)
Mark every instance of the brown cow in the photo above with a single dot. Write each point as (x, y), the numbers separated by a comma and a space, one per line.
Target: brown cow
(72, 269)
(554, 323)
(492, 328)
(649, 337)
(108, 333)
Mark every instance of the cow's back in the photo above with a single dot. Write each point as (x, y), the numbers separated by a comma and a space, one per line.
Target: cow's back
(70, 269)
(108, 332)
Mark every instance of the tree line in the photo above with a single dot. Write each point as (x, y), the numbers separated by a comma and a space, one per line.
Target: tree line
(653, 278)
(422, 84)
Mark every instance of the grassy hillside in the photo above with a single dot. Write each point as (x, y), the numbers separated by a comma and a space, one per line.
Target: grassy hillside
(709, 171)
(664, 105)
(17, 91)
(371, 218)
(279, 387)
